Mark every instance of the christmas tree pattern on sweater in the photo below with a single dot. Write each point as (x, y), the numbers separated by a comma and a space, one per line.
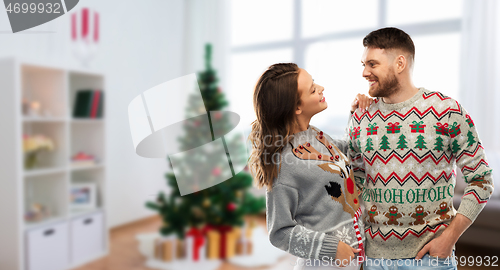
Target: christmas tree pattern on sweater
(406, 173)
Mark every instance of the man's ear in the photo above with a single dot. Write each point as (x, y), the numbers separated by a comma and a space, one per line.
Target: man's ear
(401, 63)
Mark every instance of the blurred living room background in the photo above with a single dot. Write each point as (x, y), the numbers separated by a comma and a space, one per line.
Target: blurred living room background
(73, 190)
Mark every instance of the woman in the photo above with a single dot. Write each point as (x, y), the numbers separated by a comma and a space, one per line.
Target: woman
(312, 201)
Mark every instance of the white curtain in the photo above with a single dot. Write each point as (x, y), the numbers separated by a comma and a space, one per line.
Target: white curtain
(480, 75)
(206, 21)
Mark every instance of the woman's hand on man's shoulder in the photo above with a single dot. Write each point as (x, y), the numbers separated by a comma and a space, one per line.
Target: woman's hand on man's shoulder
(362, 102)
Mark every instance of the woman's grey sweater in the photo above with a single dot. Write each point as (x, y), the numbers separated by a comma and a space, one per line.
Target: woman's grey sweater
(313, 203)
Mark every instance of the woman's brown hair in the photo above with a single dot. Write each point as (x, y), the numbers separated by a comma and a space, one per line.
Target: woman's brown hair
(275, 101)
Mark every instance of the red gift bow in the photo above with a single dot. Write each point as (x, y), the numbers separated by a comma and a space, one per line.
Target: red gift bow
(418, 124)
(199, 240)
(468, 117)
(371, 129)
(417, 127)
(394, 125)
(454, 125)
(442, 126)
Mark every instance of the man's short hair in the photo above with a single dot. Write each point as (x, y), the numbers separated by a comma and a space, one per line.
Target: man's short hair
(391, 38)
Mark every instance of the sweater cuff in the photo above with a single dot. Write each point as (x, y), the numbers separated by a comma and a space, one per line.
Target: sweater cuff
(329, 247)
(470, 208)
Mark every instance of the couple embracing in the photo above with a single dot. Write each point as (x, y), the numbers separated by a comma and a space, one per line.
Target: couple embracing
(381, 196)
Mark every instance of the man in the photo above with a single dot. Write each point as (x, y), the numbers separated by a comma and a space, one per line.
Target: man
(403, 150)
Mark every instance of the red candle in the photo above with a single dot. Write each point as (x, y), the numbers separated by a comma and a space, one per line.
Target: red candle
(96, 26)
(85, 22)
(73, 26)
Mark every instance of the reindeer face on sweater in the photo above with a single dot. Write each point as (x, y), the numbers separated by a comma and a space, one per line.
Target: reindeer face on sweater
(336, 163)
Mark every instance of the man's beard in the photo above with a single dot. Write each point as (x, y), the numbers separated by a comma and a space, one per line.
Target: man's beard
(386, 88)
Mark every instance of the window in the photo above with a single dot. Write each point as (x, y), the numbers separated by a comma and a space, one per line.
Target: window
(261, 21)
(422, 11)
(246, 69)
(325, 38)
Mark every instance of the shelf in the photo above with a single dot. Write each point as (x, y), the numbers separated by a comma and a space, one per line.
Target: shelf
(44, 119)
(83, 81)
(86, 167)
(38, 101)
(94, 177)
(85, 73)
(87, 138)
(46, 222)
(57, 133)
(48, 191)
(47, 87)
(44, 171)
(79, 213)
(87, 120)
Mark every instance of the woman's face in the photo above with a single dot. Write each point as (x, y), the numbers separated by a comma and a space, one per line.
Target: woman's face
(312, 100)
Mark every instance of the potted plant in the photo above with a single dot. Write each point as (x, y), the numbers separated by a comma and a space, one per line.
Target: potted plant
(32, 145)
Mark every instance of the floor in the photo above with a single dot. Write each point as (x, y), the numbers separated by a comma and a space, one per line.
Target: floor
(124, 255)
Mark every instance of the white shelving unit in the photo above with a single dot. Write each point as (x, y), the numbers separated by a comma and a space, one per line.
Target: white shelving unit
(65, 238)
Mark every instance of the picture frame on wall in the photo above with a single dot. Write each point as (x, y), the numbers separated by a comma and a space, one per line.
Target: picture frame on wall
(83, 196)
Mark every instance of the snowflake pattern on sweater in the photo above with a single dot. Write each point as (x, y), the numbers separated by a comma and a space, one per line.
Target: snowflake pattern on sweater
(407, 172)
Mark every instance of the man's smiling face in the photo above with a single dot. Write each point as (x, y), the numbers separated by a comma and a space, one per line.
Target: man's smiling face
(379, 71)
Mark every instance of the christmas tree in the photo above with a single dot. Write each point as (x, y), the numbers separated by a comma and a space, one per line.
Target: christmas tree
(420, 143)
(470, 139)
(402, 142)
(351, 147)
(224, 204)
(369, 145)
(455, 147)
(384, 144)
(439, 144)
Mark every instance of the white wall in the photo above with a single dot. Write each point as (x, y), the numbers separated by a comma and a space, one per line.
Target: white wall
(141, 46)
